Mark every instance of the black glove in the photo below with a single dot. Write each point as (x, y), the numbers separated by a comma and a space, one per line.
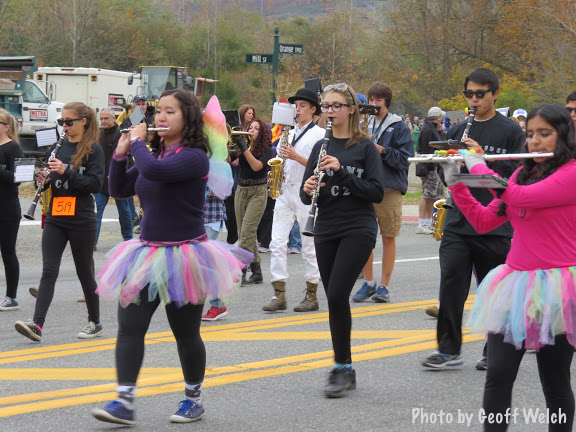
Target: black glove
(240, 142)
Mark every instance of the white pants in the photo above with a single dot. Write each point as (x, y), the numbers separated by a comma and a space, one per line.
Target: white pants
(288, 208)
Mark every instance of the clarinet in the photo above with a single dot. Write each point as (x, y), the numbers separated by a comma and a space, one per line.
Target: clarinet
(469, 122)
(30, 213)
(309, 228)
(448, 201)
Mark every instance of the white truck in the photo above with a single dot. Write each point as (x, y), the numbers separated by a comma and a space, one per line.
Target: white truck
(95, 87)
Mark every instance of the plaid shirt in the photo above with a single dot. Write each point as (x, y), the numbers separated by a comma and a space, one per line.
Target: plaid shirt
(214, 209)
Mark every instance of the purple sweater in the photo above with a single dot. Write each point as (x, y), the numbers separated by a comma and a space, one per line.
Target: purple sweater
(171, 191)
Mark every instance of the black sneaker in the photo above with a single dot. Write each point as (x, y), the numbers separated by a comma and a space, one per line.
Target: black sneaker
(339, 382)
(9, 304)
(482, 364)
(442, 361)
(30, 329)
(92, 330)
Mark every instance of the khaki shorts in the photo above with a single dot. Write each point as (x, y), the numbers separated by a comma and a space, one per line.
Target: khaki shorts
(389, 213)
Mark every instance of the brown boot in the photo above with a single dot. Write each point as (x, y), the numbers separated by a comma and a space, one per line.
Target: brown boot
(310, 302)
(278, 302)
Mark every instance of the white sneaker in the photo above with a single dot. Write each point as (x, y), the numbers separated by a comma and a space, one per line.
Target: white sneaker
(424, 229)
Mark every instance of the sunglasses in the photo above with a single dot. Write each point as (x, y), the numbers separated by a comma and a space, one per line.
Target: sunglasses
(468, 94)
(68, 122)
(340, 87)
(570, 109)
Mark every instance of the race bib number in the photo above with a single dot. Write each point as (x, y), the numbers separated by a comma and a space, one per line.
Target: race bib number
(64, 206)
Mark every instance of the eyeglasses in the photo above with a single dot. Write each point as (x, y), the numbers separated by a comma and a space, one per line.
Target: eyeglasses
(468, 94)
(570, 109)
(5, 124)
(68, 122)
(336, 107)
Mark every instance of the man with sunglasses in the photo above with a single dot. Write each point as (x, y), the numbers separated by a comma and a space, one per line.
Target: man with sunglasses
(462, 249)
(393, 140)
(571, 106)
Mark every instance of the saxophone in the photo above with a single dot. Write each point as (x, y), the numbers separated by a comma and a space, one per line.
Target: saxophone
(276, 173)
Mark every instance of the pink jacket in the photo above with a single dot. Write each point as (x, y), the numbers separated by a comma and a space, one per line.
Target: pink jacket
(543, 215)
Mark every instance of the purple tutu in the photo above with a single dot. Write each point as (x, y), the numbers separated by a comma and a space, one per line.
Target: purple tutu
(186, 273)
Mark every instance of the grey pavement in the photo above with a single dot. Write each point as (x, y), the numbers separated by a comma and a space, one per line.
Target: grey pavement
(265, 371)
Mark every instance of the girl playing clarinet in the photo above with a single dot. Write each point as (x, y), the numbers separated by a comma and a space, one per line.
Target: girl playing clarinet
(346, 228)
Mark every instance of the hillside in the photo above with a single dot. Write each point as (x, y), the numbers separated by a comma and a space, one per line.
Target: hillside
(283, 9)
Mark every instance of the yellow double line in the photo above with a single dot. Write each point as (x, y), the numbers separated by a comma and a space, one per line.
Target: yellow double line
(153, 381)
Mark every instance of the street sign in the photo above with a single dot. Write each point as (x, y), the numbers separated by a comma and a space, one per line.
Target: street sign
(291, 49)
(259, 58)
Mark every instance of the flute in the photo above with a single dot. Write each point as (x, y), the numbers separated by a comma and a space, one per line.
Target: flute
(431, 158)
(158, 129)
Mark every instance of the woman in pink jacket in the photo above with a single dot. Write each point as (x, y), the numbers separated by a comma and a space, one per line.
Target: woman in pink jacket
(530, 301)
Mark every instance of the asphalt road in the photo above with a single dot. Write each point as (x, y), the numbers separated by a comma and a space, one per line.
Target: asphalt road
(265, 371)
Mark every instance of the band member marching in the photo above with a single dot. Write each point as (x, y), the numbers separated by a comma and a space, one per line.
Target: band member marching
(289, 206)
(345, 229)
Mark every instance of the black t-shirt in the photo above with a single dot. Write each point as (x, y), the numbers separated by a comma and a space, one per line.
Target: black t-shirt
(499, 135)
(8, 189)
(345, 204)
(246, 171)
(81, 183)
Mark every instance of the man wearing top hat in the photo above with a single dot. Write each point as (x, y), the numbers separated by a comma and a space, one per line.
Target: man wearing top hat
(289, 207)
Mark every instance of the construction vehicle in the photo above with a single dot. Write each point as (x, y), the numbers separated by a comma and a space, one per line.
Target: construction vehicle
(26, 101)
(154, 80)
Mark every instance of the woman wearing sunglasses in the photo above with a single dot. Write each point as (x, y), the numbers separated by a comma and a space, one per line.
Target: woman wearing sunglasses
(74, 175)
(530, 301)
(11, 214)
(346, 228)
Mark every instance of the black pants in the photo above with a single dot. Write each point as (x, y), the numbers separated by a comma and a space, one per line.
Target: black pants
(54, 240)
(231, 226)
(553, 367)
(265, 227)
(8, 235)
(340, 261)
(133, 324)
(458, 254)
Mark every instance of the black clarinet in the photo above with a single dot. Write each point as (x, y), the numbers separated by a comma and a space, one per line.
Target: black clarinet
(469, 122)
(30, 213)
(309, 228)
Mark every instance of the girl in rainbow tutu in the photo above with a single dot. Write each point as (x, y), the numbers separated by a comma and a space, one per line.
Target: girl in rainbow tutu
(530, 301)
(173, 264)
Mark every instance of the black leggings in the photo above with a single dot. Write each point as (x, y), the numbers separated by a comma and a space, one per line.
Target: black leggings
(554, 370)
(54, 240)
(8, 235)
(133, 322)
(340, 261)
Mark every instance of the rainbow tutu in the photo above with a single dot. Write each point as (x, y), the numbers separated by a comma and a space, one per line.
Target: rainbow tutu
(529, 308)
(187, 273)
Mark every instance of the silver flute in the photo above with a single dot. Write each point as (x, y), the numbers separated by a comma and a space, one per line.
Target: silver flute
(149, 129)
(432, 158)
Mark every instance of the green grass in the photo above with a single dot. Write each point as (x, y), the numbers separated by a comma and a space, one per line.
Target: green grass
(412, 198)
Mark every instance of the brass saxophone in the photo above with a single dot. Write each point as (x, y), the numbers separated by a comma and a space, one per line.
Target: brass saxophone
(276, 174)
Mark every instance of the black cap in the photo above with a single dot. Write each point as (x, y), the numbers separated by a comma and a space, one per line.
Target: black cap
(139, 97)
(308, 96)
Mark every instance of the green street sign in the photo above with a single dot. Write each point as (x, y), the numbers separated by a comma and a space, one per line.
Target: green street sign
(291, 49)
(259, 58)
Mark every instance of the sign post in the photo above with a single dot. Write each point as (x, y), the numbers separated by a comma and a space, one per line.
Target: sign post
(274, 58)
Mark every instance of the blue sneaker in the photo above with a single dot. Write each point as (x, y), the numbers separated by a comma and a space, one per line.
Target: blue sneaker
(115, 412)
(382, 295)
(364, 292)
(442, 361)
(188, 412)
